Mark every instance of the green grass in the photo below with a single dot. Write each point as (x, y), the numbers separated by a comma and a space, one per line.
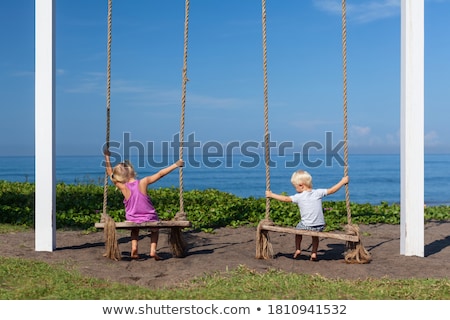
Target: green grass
(80, 206)
(22, 279)
(5, 228)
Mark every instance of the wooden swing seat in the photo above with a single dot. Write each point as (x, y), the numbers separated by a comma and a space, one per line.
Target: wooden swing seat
(333, 235)
(143, 225)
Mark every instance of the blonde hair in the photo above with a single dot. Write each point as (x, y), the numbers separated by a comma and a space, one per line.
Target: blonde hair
(302, 177)
(123, 172)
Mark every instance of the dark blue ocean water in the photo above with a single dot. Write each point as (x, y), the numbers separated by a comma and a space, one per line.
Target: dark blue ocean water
(373, 178)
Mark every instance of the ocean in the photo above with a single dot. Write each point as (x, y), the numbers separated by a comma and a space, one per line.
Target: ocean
(373, 178)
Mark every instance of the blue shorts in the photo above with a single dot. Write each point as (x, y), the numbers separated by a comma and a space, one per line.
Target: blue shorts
(301, 226)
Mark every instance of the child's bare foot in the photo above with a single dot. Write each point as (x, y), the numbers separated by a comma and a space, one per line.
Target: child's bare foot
(155, 256)
(297, 253)
(135, 256)
(313, 257)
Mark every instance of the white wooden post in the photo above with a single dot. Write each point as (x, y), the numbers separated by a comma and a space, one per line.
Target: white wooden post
(45, 194)
(412, 128)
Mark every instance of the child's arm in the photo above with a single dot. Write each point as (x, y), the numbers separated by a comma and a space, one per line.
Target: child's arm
(279, 197)
(107, 162)
(338, 185)
(161, 173)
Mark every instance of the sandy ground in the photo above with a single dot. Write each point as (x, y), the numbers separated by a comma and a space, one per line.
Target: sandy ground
(228, 248)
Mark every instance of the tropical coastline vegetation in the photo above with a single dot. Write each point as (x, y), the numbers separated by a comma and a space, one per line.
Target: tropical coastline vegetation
(81, 206)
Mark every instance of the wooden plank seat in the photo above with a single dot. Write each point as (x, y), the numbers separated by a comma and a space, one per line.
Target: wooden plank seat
(153, 224)
(178, 245)
(322, 234)
(355, 251)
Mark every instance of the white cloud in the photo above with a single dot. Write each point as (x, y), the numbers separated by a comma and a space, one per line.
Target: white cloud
(362, 11)
(431, 139)
(23, 74)
(332, 6)
(216, 103)
(362, 139)
(360, 131)
(91, 82)
(312, 124)
(393, 139)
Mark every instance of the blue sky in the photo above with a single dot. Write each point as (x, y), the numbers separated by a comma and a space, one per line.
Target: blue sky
(225, 99)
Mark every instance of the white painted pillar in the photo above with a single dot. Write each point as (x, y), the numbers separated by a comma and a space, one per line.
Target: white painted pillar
(45, 194)
(412, 128)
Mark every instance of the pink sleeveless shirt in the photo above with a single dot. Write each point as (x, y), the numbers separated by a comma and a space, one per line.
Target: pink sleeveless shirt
(139, 207)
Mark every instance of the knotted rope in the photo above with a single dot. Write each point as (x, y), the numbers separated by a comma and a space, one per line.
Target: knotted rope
(112, 248)
(264, 247)
(356, 253)
(176, 240)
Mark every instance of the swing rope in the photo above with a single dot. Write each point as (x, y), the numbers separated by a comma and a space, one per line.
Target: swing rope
(356, 253)
(264, 248)
(176, 240)
(344, 73)
(108, 103)
(181, 214)
(111, 244)
(266, 108)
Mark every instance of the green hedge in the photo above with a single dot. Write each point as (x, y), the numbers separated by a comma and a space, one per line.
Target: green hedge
(80, 207)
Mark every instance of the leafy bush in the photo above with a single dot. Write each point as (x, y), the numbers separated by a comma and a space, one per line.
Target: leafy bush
(81, 206)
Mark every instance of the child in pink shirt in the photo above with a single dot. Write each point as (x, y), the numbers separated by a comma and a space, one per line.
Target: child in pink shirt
(138, 205)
